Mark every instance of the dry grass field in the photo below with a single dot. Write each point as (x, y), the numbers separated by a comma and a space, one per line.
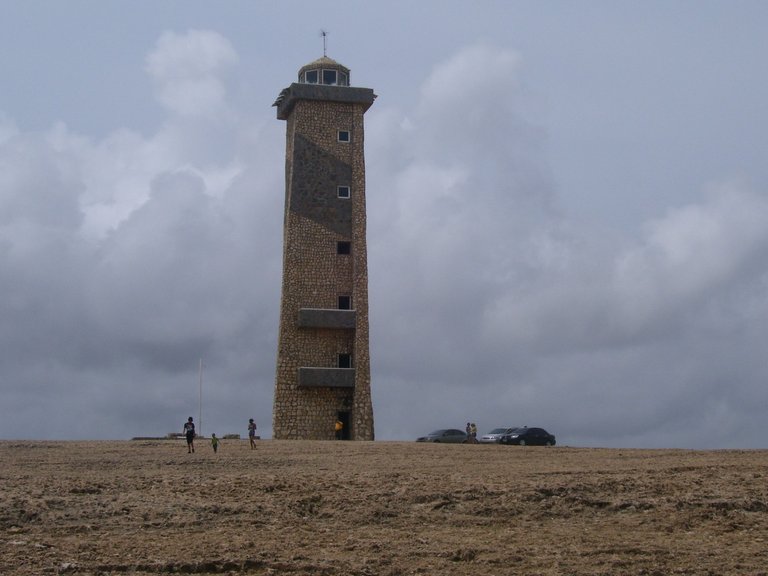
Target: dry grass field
(381, 508)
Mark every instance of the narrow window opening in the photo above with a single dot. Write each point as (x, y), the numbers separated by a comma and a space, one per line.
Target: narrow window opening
(343, 135)
(343, 247)
(343, 192)
(343, 79)
(345, 302)
(345, 360)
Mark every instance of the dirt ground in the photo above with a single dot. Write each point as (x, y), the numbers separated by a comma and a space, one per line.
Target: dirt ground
(378, 508)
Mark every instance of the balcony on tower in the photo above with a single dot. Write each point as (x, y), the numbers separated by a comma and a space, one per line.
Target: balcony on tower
(311, 377)
(327, 318)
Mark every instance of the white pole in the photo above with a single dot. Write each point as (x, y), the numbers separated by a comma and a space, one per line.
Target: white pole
(200, 400)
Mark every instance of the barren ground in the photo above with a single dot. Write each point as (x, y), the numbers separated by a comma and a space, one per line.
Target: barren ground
(382, 508)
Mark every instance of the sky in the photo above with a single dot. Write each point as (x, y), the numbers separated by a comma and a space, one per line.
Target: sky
(567, 215)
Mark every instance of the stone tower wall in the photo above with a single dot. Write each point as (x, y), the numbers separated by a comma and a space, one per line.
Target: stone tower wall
(314, 274)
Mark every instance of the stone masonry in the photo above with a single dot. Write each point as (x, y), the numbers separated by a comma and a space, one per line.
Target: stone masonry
(323, 362)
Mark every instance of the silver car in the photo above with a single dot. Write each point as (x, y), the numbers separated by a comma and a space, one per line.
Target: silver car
(494, 435)
(450, 435)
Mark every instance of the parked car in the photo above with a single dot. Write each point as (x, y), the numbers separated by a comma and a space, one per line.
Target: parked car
(493, 436)
(448, 435)
(528, 437)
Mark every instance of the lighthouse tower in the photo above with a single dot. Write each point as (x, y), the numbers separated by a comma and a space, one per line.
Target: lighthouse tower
(323, 364)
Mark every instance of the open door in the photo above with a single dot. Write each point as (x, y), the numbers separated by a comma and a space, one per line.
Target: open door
(344, 418)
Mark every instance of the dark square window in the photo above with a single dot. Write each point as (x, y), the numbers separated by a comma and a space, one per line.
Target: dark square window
(345, 302)
(345, 360)
(329, 77)
(343, 191)
(311, 76)
(343, 247)
(343, 135)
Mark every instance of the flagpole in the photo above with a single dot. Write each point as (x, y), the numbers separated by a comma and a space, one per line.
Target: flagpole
(200, 400)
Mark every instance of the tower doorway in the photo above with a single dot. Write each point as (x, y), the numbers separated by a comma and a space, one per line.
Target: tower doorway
(344, 418)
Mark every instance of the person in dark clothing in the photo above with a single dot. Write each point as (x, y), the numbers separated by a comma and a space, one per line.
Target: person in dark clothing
(189, 433)
(252, 433)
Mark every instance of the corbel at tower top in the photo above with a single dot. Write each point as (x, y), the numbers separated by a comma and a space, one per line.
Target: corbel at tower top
(324, 79)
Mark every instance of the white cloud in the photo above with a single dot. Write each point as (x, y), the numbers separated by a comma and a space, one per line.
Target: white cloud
(126, 258)
(521, 316)
(37, 184)
(187, 70)
(694, 254)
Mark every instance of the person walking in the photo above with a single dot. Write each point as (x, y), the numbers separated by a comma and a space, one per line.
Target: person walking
(252, 433)
(189, 433)
(214, 443)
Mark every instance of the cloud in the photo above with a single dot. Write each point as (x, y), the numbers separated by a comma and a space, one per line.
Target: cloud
(456, 212)
(697, 251)
(7, 128)
(524, 318)
(187, 70)
(38, 186)
(126, 259)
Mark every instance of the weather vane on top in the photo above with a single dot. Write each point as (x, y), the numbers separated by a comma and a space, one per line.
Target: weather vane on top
(324, 34)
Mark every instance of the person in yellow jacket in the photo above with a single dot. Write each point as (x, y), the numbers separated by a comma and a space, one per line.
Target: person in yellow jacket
(339, 427)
